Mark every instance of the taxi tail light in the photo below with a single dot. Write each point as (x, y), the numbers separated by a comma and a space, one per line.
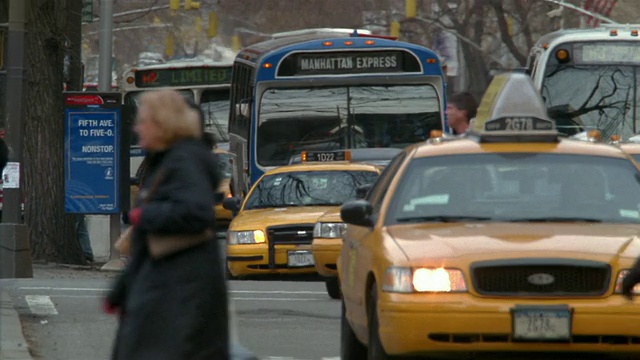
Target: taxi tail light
(621, 276)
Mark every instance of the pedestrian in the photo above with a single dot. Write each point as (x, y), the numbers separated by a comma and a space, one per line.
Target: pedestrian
(83, 238)
(172, 295)
(461, 108)
(4, 154)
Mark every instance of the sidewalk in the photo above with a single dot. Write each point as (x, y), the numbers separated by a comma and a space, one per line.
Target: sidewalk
(13, 345)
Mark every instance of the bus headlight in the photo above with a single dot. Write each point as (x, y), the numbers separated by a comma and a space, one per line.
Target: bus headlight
(245, 237)
(407, 280)
(329, 230)
(621, 275)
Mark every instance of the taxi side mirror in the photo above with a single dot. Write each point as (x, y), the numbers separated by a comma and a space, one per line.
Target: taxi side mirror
(363, 190)
(232, 203)
(357, 212)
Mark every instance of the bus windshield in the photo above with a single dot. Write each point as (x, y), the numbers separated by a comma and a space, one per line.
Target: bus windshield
(295, 119)
(215, 107)
(587, 97)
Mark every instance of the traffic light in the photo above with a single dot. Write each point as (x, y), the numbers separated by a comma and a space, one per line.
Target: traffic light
(394, 29)
(235, 43)
(198, 24)
(189, 4)
(410, 9)
(169, 45)
(213, 25)
(174, 4)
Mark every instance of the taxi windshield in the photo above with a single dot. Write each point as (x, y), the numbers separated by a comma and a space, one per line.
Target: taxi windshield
(517, 187)
(308, 188)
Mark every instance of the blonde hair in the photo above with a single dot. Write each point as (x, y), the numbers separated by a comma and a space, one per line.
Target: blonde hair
(170, 111)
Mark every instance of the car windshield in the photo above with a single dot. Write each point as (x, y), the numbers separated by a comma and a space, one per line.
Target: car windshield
(332, 118)
(517, 187)
(308, 188)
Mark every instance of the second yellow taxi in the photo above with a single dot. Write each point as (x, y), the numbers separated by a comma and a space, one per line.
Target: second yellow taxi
(272, 231)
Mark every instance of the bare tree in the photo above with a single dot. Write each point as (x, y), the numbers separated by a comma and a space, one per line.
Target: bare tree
(52, 232)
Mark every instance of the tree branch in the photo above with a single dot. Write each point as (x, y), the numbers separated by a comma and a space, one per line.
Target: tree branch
(504, 32)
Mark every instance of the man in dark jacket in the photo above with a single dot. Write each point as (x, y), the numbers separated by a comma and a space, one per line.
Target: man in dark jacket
(4, 154)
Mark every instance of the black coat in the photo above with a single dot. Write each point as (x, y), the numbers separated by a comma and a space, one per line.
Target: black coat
(4, 155)
(175, 308)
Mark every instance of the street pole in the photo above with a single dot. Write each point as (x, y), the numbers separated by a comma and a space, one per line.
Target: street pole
(104, 85)
(15, 251)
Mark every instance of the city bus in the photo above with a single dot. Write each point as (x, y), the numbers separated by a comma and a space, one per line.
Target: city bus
(589, 79)
(204, 82)
(329, 89)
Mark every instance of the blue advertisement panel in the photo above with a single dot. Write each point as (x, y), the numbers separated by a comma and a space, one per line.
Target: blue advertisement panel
(92, 155)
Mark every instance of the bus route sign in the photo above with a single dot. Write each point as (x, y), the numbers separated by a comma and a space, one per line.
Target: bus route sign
(92, 152)
(188, 76)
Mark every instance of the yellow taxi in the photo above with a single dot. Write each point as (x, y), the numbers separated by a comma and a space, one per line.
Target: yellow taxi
(273, 229)
(509, 239)
(223, 216)
(327, 240)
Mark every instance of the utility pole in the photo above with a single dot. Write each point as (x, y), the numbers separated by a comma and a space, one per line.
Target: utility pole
(104, 85)
(73, 45)
(15, 250)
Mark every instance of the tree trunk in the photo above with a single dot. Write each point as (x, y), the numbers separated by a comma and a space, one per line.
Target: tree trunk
(52, 233)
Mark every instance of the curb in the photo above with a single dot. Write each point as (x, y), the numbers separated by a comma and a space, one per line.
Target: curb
(13, 345)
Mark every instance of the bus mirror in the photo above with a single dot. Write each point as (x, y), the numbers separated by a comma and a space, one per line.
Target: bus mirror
(243, 109)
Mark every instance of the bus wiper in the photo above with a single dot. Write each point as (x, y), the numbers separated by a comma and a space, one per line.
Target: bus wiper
(443, 218)
(555, 219)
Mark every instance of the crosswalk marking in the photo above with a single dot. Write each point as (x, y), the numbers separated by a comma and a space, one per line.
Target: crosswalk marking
(41, 305)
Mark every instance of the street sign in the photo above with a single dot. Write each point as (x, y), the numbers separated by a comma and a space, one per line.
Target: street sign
(92, 166)
(87, 11)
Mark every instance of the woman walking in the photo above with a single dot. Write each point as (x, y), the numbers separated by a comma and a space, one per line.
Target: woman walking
(172, 296)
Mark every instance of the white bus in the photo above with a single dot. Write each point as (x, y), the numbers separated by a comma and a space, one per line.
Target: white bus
(204, 82)
(589, 79)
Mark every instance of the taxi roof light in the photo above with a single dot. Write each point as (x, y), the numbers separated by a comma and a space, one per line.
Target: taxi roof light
(435, 134)
(634, 32)
(616, 138)
(613, 32)
(325, 156)
(512, 110)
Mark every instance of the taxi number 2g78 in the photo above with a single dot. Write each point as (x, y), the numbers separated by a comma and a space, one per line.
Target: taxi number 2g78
(518, 124)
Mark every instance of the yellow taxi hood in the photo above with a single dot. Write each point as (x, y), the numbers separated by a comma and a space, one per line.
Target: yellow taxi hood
(332, 216)
(261, 218)
(464, 243)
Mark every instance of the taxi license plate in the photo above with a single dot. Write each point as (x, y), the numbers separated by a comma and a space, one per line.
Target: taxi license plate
(541, 323)
(300, 258)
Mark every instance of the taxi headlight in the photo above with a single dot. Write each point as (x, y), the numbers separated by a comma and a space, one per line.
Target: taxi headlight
(329, 230)
(407, 280)
(621, 276)
(245, 237)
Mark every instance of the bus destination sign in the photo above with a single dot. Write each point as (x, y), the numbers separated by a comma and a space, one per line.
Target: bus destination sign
(340, 63)
(606, 53)
(189, 76)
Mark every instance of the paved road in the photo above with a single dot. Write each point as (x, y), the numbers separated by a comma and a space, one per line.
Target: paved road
(61, 313)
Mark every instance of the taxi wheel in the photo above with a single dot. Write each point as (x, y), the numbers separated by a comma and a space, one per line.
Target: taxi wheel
(375, 349)
(333, 287)
(350, 347)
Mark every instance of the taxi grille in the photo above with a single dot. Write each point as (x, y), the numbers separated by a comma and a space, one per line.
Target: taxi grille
(290, 234)
(541, 277)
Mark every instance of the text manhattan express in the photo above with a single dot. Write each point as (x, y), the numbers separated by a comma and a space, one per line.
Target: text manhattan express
(348, 63)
